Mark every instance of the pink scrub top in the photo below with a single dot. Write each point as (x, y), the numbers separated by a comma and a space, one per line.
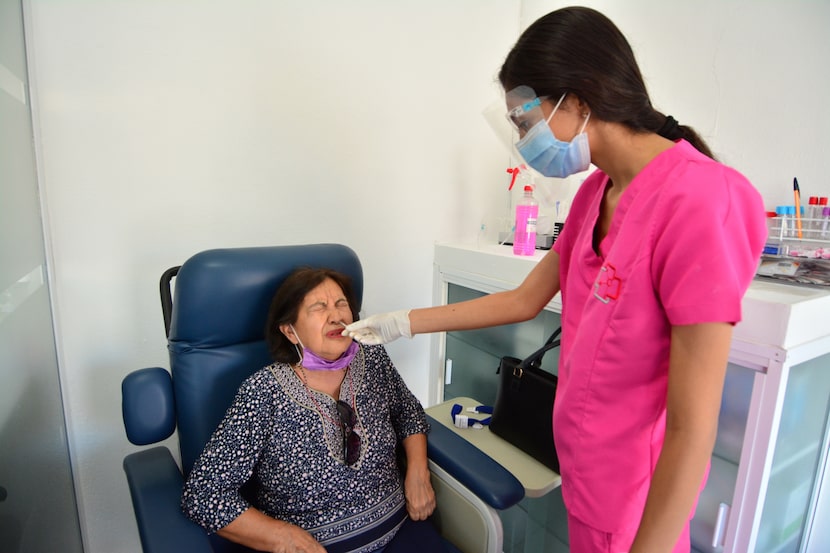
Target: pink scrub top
(683, 246)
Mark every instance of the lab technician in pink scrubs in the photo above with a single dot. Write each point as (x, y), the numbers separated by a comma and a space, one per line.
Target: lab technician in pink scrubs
(660, 244)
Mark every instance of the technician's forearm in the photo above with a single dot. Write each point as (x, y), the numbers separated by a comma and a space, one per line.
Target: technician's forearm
(697, 368)
(489, 310)
(512, 306)
(674, 488)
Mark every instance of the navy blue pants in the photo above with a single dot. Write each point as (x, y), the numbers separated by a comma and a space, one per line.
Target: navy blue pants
(417, 537)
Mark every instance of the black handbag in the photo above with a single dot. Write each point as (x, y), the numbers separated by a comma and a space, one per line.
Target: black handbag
(524, 404)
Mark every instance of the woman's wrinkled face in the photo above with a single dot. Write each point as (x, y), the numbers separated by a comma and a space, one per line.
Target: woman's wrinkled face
(318, 321)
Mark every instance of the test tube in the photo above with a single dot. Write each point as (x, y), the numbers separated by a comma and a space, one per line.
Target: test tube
(772, 226)
(791, 230)
(825, 222)
(782, 221)
(813, 217)
(774, 243)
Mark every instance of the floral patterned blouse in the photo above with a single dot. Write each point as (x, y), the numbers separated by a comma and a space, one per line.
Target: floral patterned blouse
(287, 440)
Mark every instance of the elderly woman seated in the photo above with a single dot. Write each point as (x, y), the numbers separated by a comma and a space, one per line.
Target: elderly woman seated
(305, 458)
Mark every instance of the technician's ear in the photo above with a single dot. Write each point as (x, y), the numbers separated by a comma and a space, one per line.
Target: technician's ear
(576, 104)
(289, 333)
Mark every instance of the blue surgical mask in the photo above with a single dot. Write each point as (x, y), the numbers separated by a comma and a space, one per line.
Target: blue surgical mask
(550, 156)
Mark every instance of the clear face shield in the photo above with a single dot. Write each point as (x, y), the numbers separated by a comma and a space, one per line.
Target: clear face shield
(524, 109)
(537, 147)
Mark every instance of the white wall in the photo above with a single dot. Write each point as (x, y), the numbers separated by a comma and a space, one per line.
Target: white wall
(173, 126)
(749, 75)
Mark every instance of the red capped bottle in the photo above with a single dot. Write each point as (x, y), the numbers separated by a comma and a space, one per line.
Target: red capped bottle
(527, 213)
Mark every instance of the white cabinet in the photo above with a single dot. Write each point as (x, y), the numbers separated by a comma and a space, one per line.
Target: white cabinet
(764, 492)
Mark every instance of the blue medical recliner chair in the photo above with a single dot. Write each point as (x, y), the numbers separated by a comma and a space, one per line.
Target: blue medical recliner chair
(215, 320)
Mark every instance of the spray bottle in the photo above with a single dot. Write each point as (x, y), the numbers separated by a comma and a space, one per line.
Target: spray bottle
(527, 214)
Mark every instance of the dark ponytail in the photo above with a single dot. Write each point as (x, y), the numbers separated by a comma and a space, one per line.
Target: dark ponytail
(580, 51)
(672, 130)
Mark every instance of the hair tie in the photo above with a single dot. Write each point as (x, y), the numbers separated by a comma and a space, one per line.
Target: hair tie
(669, 128)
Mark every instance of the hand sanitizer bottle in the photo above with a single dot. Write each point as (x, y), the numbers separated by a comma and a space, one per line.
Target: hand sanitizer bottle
(527, 213)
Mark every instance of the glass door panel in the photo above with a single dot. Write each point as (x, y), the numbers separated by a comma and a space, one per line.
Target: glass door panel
(796, 458)
(37, 500)
(475, 354)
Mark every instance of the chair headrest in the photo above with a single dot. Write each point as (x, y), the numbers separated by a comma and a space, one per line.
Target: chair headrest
(222, 296)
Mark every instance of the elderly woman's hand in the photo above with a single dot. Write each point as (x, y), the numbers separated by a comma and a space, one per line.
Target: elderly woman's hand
(420, 497)
(294, 539)
(258, 531)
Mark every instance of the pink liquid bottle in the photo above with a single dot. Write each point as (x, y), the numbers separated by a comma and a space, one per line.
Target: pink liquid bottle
(527, 213)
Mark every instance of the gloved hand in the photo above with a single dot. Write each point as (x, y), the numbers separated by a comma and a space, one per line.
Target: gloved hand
(381, 328)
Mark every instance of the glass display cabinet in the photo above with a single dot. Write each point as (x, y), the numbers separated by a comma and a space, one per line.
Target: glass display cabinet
(767, 490)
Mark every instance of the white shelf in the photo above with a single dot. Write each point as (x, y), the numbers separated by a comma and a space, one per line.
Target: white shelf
(489, 268)
(783, 315)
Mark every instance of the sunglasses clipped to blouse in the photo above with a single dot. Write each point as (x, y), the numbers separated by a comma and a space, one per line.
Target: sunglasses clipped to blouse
(351, 439)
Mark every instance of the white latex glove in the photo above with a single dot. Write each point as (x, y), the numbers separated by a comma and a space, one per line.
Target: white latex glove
(381, 328)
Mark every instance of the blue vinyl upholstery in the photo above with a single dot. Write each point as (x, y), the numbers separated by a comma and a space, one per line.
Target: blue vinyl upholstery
(490, 481)
(217, 339)
(148, 406)
(156, 487)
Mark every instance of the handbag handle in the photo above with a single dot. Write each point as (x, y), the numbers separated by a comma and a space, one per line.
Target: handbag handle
(553, 337)
(535, 358)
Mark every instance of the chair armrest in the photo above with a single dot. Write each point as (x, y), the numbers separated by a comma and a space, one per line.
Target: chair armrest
(156, 488)
(148, 405)
(487, 479)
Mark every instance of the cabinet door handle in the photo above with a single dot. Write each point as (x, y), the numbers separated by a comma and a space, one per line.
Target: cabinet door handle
(448, 372)
(720, 525)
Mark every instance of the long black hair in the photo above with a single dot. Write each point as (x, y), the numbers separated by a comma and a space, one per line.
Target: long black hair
(580, 51)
